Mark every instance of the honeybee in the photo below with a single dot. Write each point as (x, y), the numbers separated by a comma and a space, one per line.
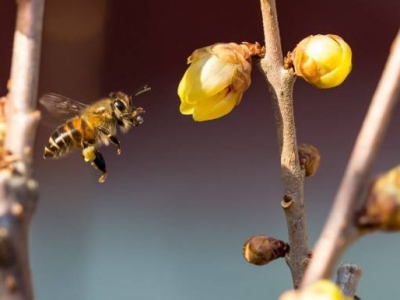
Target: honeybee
(91, 126)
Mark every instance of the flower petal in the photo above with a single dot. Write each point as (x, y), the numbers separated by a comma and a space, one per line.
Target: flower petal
(216, 107)
(216, 75)
(205, 78)
(186, 108)
(326, 51)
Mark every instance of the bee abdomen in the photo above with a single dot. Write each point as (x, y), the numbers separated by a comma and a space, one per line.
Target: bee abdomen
(64, 138)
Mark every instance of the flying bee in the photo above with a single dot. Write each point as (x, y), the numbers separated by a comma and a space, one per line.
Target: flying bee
(91, 125)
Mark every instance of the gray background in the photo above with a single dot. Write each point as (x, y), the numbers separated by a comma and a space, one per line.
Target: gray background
(170, 221)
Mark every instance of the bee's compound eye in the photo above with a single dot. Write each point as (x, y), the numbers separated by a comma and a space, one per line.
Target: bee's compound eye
(119, 105)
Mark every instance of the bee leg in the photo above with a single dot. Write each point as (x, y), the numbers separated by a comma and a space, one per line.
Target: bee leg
(112, 138)
(100, 164)
(90, 154)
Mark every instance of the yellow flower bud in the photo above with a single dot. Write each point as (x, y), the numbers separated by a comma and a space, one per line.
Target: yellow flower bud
(260, 250)
(323, 60)
(320, 290)
(216, 79)
(381, 210)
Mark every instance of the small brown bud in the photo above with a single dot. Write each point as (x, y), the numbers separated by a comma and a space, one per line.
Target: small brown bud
(309, 158)
(381, 210)
(260, 250)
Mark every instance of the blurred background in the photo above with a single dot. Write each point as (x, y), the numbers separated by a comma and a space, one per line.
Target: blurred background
(170, 221)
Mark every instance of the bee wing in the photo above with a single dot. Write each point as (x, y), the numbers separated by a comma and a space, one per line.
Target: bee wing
(61, 106)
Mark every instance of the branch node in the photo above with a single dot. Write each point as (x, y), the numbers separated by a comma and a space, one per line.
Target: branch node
(305, 262)
(288, 61)
(287, 201)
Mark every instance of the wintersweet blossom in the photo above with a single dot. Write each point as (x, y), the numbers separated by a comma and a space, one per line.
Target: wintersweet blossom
(216, 79)
(323, 60)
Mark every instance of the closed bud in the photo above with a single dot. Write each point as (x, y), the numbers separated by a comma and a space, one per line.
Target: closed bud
(322, 60)
(381, 210)
(309, 158)
(260, 250)
(216, 79)
(320, 290)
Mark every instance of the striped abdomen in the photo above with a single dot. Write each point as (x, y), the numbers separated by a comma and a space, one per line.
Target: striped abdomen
(68, 136)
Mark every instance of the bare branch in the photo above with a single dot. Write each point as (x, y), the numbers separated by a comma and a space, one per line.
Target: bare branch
(339, 229)
(18, 192)
(281, 86)
(22, 118)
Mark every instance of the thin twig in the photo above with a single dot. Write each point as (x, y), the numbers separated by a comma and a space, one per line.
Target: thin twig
(347, 278)
(281, 86)
(339, 229)
(18, 191)
(21, 114)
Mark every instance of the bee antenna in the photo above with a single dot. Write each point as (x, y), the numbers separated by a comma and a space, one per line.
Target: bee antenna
(141, 90)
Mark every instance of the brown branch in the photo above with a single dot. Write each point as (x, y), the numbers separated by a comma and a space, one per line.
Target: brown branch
(339, 229)
(18, 191)
(281, 86)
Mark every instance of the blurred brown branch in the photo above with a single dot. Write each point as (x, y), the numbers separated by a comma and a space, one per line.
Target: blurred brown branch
(339, 229)
(18, 191)
(281, 83)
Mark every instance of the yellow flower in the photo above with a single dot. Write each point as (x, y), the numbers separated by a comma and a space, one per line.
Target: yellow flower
(216, 79)
(323, 60)
(320, 290)
(381, 210)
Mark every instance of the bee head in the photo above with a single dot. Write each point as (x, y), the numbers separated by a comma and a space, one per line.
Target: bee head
(125, 112)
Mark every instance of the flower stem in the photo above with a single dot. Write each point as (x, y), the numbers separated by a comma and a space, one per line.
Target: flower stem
(281, 83)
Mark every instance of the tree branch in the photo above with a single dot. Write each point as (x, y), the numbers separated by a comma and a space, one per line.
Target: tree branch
(281, 87)
(339, 230)
(18, 191)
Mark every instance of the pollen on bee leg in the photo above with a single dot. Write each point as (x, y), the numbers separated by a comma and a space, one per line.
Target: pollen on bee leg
(89, 153)
(136, 116)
